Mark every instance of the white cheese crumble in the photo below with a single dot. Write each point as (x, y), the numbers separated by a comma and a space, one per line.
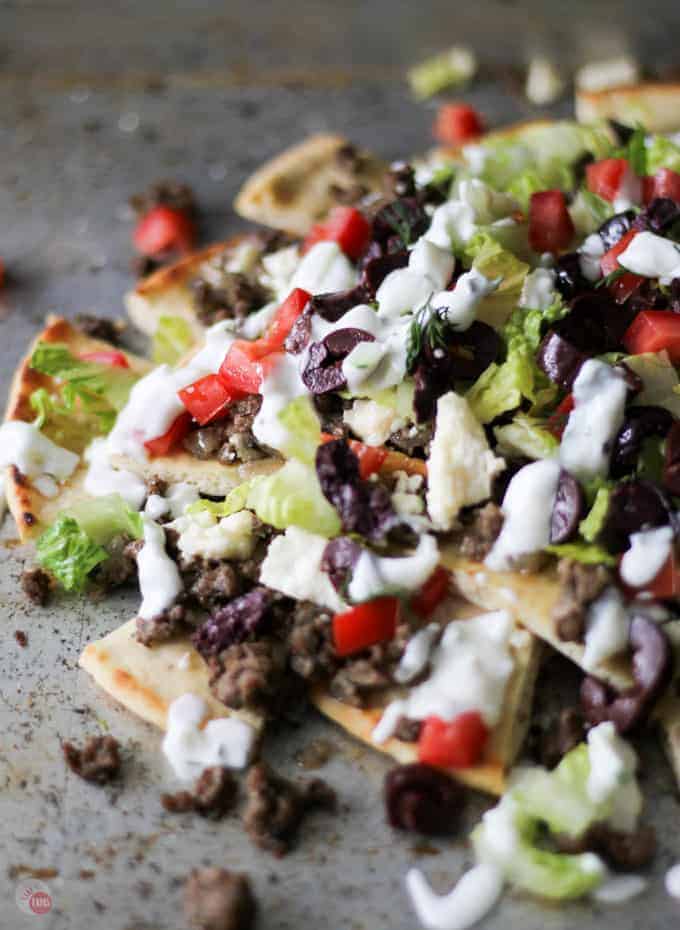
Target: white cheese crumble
(672, 881)
(472, 898)
(599, 394)
(648, 553)
(159, 578)
(293, 567)
(652, 256)
(538, 290)
(607, 626)
(211, 537)
(324, 269)
(175, 501)
(406, 498)
(544, 84)
(527, 509)
(612, 72)
(190, 748)
(461, 467)
(35, 455)
(375, 575)
(611, 780)
(372, 422)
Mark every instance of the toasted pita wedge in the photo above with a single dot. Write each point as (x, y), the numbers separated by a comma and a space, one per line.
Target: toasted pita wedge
(297, 188)
(31, 509)
(166, 292)
(655, 106)
(506, 740)
(531, 599)
(147, 679)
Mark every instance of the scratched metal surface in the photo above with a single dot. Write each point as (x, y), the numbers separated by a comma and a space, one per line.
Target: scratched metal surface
(91, 110)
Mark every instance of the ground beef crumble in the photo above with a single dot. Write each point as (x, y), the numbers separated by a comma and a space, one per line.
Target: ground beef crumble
(213, 794)
(97, 761)
(215, 899)
(481, 533)
(161, 627)
(580, 585)
(249, 675)
(99, 327)
(276, 807)
(230, 439)
(36, 585)
(21, 638)
(121, 566)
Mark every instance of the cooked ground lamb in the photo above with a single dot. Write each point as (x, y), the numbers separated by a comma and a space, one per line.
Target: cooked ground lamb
(249, 675)
(98, 760)
(35, 584)
(99, 327)
(161, 627)
(215, 899)
(482, 532)
(226, 295)
(360, 676)
(312, 655)
(165, 193)
(121, 565)
(213, 795)
(580, 586)
(231, 439)
(413, 440)
(276, 807)
(625, 852)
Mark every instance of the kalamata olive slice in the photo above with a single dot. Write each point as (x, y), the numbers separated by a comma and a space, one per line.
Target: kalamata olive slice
(473, 350)
(376, 270)
(569, 279)
(300, 333)
(338, 560)
(404, 218)
(615, 228)
(641, 423)
(671, 465)
(633, 505)
(560, 360)
(596, 323)
(658, 215)
(422, 799)
(567, 509)
(336, 304)
(432, 378)
(652, 666)
(341, 341)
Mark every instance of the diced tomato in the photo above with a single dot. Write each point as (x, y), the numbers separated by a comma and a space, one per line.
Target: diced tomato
(207, 399)
(606, 178)
(374, 459)
(345, 225)
(365, 625)
(667, 583)
(558, 420)
(370, 458)
(665, 183)
(457, 744)
(626, 284)
(161, 445)
(457, 123)
(653, 331)
(432, 593)
(551, 228)
(110, 357)
(164, 229)
(245, 367)
(285, 316)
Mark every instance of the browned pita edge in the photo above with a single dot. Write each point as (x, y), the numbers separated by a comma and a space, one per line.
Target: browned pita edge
(655, 105)
(506, 740)
(30, 509)
(208, 476)
(530, 598)
(147, 679)
(295, 189)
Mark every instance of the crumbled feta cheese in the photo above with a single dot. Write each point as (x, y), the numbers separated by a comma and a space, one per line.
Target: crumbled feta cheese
(293, 567)
(461, 467)
(538, 290)
(210, 537)
(611, 780)
(372, 422)
(175, 501)
(612, 72)
(406, 498)
(544, 83)
(607, 626)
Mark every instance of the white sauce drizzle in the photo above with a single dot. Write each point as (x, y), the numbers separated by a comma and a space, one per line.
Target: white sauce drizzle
(590, 254)
(672, 881)
(35, 455)
(159, 578)
(417, 654)
(652, 256)
(538, 290)
(102, 478)
(460, 304)
(648, 553)
(618, 889)
(527, 508)
(226, 741)
(376, 575)
(607, 627)
(473, 897)
(279, 388)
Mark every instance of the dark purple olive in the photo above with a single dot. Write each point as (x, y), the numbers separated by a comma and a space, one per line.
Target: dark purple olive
(300, 333)
(569, 279)
(615, 228)
(622, 132)
(633, 506)
(376, 270)
(335, 305)
(652, 667)
(567, 509)
(432, 378)
(404, 218)
(641, 423)
(243, 617)
(422, 799)
(596, 323)
(658, 215)
(474, 350)
(560, 360)
(671, 464)
(341, 341)
(338, 560)
(648, 296)
(323, 370)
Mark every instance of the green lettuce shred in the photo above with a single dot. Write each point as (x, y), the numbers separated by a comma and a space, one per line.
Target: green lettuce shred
(303, 427)
(439, 72)
(292, 496)
(591, 527)
(587, 553)
(104, 517)
(662, 153)
(66, 551)
(526, 436)
(172, 339)
(589, 212)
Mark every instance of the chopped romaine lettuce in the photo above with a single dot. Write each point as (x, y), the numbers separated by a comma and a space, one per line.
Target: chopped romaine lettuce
(587, 553)
(102, 518)
(526, 436)
(588, 212)
(662, 153)
(66, 551)
(172, 339)
(292, 496)
(303, 428)
(494, 259)
(236, 499)
(591, 526)
(447, 69)
(556, 175)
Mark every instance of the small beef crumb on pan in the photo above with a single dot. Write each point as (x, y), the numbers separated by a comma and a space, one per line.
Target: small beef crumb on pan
(215, 899)
(36, 585)
(21, 638)
(213, 794)
(97, 761)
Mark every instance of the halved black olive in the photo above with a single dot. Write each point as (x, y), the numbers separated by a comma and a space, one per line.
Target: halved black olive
(633, 505)
(567, 510)
(641, 423)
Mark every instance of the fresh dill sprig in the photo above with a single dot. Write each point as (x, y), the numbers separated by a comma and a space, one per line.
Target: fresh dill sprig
(429, 327)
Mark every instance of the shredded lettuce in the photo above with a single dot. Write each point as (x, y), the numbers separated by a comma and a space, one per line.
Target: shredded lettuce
(303, 428)
(493, 259)
(588, 212)
(587, 553)
(526, 436)
(447, 69)
(554, 175)
(66, 551)
(172, 339)
(236, 499)
(591, 526)
(102, 518)
(662, 153)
